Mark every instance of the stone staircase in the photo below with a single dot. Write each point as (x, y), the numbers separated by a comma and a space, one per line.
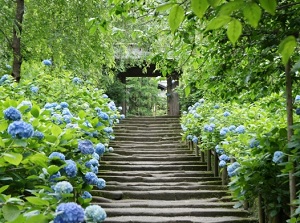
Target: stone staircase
(153, 178)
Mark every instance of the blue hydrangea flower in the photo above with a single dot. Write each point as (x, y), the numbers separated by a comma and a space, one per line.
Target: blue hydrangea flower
(216, 107)
(86, 195)
(64, 105)
(95, 213)
(92, 162)
(219, 150)
(34, 89)
(240, 129)
(201, 100)
(63, 187)
(103, 115)
(297, 99)
(71, 168)
(47, 62)
(122, 116)
(224, 157)
(54, 176)
(20, 130)
(67, 119)
(8, 67)
(195, 139)
(96, 156)
(49, 105)
(108, 130)
(112, 106)
(100, 149)
(104, 96)
(69, 213)
(226, 114)
(212, 119)
(90, 177)
(4, 78)
(253, 143)
(110, 149)
(222, 163)
(66, 111)
(98, 110)
(232, 169)
(57, 119)
(100, 183)
(28, 104)
(12, 114)
(57, 155)
(39, 135)
(189, 137)
(58, 107)
(184, 128)
(196, 115)
(232, 128)
(223, 131)
(184, 113)
(278, 157)
(77, 80)
(86, 147)
(94, 169)
(209, 128)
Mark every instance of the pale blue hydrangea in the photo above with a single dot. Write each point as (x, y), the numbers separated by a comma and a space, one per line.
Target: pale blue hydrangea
(53, 177)
(108, 130)
(86, 147)
(212, 119)
(184, 113)
(184, 128)
(224, 131)
(87, 124)
(95, 213)
(104, 96)
(297, 98)
(67, 119)
(232, 128)
(47, 62)
(69, 213)
(57, 119)
(219, 149)
(98, 110)
(34, 89)
(27, 104)
(64, 105)
(86, 195)
(278, 157)
(240, 129)
(201, 100)
(90, 177)
(222, 163)
(216, 107)
(39, 135)
(103, 115)
(122, 116)
(63, 187)
(189, 137)
(253, 143)
(224, 157)
(195, 139)
(110, 149)
(57, 155)
(209, 128)
(120, 108)
(232, 169)
(112, 106)
(100, 149)
(76, 80)
(226, 113)
(20, 130)
(12, 114)
(4, 78)
(96, 156)
(94, 169)
(8, 67)
(92, 162)
(100, 183)
(66, 111)
(71, 168)
(196, 115)
(48, 105)
(58, 107)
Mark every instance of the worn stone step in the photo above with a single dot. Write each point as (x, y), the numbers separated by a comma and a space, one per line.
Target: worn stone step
(145, 128)
(153, 167)
(157, 173)
(150, 152)
(160, 194)
(110, 157)
(147, 145)
(153, 162)
(162, 135)
(178, 219)
(149, 138)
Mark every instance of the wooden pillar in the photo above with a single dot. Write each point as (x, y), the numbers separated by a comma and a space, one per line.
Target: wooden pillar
(124, 105)
(173, 97)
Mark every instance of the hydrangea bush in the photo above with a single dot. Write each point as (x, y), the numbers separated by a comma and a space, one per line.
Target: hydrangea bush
(51, 136)
(251, 142)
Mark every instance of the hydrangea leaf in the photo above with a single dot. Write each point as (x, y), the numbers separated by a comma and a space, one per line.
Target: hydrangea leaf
(252, 13)
(56, 130)
(10, 212)
(35, 111)
(234, 30)
(39, 159)
(214, 3)
(229, 7)
(286, 48)
(37, 218)
(164, 7)
(3, 126)
(218, 22)
(13, 158)
(199, 7)
(269, 5)
(3, 188)
(37, 201)
(53, 169)
(175, 18)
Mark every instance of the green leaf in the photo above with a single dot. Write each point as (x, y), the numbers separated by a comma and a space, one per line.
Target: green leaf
(164, 7)
(81, 114)
(286, 48)
(35, 111)
(199, 7)
(176, 16)
(20, 142)
(229, 7)
(3, 126)
(13, 158)
(3, 188)
(234, 30)
(39, 159)
(53, 169)
(2, 144)
(187, 91)
(214, 3)
(37, 201)
(252, 13)
(218, 22)
(10, 212)
(51, 139)
(269, 5)
(37, 218)
(56, 130)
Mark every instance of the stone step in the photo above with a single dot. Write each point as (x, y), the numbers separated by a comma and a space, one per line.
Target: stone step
(159, 194)
(145, 128)
(150, 152)
(152, 163)
(188, 157)
(153, 167)
(147, 145)
(145, 138)
(178, 219)
(122, 134)
(157, 173)
(205, 180)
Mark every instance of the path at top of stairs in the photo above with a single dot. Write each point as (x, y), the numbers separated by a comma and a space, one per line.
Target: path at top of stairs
(152, 177)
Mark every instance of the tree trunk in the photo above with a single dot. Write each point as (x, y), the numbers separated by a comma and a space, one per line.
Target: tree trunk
(16, 44)
(289, 109)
